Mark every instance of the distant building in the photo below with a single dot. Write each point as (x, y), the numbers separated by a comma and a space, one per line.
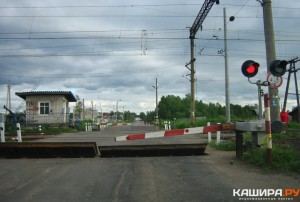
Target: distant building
(47, 107)
(91, 114)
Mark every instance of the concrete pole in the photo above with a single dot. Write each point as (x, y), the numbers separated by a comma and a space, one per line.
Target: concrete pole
(117, 110)
(271, 56)
(156, 107)
(227, 95)
(260, 115)
(156, 103)
(192, 81)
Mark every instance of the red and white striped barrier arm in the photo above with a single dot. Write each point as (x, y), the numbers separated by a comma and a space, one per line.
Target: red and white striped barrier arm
(186, 131)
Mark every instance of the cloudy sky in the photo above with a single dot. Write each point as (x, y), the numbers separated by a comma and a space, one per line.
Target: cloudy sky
(109, 50)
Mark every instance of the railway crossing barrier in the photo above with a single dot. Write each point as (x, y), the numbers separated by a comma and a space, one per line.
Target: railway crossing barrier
(186, 131)
(257, 129)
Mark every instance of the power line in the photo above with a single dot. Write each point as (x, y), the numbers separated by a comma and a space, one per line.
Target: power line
(135, 16)
(128, 6)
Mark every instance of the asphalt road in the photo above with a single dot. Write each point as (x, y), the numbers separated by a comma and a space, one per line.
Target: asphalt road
(107, 137)
(191, 178)
(211, 177)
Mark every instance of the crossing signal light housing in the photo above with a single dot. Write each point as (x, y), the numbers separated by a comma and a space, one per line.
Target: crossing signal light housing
(278, 67)
(250, 68)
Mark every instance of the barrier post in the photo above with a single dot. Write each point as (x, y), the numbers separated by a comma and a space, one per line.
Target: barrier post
(2, 128)
(239, 148)
(86, 127)
(19, 134)
(218, 137)
(170, 125)
(268, 128)
(209, 133)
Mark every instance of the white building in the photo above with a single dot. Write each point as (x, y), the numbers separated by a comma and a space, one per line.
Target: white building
(47, 107)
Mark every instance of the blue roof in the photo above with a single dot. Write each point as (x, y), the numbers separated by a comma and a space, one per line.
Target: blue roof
(68, 94)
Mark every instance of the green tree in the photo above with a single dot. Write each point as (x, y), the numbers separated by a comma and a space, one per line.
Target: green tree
(150, 116)
(170, 107)
(78, 108)
(142, 116)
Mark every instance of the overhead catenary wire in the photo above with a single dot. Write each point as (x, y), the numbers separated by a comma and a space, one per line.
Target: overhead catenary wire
(130, 6)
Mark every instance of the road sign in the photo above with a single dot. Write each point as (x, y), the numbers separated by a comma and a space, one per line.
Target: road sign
(275, 82)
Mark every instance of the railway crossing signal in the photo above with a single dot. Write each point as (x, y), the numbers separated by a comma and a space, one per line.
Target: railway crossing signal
(278, 67)
(250, 68)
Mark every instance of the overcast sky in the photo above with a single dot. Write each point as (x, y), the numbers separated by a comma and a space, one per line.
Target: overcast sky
(109, 50)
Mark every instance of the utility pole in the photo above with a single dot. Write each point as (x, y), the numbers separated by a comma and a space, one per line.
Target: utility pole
(227, 95)
(92, 103)
(83, 110)
(193, 120)
(193, 31)
(8, 99)
(117, 110)
(260, 94)
(156, 103)
(271, 55)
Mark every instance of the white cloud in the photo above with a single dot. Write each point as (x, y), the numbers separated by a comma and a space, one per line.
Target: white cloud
(95, 49)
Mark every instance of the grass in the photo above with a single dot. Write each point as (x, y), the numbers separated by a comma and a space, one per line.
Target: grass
(285, 152)
(283, 158)
(224, 146)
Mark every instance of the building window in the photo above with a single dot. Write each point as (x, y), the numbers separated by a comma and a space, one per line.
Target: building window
(44, 108)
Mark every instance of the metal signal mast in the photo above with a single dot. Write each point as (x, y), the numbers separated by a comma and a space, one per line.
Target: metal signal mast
(193, 31)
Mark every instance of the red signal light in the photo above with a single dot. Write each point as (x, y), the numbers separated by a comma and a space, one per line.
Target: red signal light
(250, 68)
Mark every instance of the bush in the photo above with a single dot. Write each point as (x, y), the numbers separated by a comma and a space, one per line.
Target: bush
(80, 125)
(181, 125)
(293, 124)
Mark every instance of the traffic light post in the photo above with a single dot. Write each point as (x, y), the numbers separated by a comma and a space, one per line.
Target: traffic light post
(274, 80)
